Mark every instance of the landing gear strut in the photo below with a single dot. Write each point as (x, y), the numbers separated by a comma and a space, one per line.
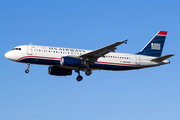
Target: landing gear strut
(88, 71)
(79, 77)
(27, 70)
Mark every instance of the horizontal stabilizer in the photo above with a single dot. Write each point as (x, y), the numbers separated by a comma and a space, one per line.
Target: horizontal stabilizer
(159, 59)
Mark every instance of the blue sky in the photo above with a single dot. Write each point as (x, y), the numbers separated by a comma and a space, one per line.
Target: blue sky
(146, 94)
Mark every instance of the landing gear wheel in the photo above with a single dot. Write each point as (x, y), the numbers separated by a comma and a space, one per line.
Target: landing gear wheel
(79, 78)
(27, 71)
(88, 72)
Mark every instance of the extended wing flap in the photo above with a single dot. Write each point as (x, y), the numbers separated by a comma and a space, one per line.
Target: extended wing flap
(159, 59)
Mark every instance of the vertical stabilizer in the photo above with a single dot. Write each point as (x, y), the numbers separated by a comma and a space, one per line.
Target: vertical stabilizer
(155, 45)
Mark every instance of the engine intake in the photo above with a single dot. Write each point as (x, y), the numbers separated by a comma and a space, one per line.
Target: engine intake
(53, 70)
(71, 61)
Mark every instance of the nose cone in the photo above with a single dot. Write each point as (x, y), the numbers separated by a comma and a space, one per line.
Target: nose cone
(9, 55)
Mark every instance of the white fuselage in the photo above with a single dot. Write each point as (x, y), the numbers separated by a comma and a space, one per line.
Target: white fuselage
(52, 56)
(62, 61)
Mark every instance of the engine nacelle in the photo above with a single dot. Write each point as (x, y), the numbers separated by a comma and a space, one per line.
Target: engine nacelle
(53, 70)
(71, 61)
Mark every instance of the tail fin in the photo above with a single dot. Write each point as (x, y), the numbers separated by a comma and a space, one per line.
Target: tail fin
(155, 45)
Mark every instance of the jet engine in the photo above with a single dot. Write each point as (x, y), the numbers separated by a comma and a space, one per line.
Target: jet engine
(53, 70)
(72, 61)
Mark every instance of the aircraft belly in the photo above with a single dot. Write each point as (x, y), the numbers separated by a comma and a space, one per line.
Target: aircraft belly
(116, 67)
(40, 60)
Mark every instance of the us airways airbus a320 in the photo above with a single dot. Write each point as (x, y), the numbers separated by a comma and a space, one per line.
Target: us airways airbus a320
(62, 61)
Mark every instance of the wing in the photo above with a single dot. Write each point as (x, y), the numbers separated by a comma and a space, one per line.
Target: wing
(94, 55)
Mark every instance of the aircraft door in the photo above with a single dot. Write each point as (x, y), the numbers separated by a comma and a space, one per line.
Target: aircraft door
(29, 49)
(138, 60)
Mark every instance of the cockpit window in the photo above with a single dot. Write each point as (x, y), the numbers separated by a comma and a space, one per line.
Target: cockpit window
(16, 49)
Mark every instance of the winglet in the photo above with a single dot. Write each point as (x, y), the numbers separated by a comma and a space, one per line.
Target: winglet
(125, 41)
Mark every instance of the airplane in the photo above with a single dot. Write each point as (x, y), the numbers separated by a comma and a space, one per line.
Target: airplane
(62, 60)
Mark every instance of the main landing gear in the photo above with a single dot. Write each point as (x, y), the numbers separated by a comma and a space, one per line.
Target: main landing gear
(27, 70)
(79, 77)
(88, 72)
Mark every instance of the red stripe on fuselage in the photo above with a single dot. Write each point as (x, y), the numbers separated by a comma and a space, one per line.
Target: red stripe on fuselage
(38, 57)
(110, 63)
(122, 64)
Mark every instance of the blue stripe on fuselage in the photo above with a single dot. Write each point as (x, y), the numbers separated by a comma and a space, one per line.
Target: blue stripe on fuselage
(114, 67)
(96, 65)
(40, 61)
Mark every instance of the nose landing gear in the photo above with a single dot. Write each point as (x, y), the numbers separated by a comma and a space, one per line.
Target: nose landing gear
(27, 70)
